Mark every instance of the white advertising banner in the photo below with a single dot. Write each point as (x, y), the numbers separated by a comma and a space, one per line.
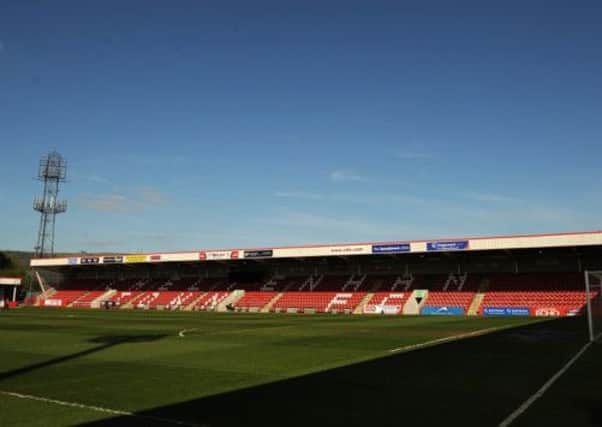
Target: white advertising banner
(53, 302)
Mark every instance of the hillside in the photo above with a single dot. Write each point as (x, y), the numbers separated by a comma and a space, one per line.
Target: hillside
(14, 263)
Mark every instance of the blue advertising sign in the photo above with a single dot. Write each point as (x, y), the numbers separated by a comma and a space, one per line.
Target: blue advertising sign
(391, 249)
(447, 246)
(442, 311)
(506, 311)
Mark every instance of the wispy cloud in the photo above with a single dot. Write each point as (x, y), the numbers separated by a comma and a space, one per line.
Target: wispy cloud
(357, 198)
(413, 151)
(98, 245)
(94, 178)
(490, 197)
(300, 195)
(113, 203)
(97, 179)
(344, 228)
(341, 175)
(151, 195)
(136, 200)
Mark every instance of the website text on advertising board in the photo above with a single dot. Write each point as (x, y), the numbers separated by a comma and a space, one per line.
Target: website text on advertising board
(346, 250)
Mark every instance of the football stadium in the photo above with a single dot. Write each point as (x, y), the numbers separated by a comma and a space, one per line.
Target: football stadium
(306, 214)
(311, 335)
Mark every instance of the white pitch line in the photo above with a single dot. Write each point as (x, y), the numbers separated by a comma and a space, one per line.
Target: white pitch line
(182, 333)
(445, 339)
(94, 408)
(527, 403)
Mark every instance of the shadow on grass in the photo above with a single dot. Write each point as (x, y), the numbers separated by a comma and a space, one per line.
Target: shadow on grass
(476, 381)
(105, 342)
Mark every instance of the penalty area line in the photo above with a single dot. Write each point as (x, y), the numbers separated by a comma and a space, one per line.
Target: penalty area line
(527, 403)
(96, 408)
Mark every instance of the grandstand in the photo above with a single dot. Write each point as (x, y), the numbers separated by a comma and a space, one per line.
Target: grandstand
(529, 275)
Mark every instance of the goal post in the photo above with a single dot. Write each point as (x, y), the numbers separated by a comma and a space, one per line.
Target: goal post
(593, 293)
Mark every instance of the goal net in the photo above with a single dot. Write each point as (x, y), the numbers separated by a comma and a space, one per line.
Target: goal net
(593, 289)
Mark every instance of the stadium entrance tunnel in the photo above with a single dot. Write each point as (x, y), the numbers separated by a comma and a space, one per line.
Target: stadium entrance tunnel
(105, 342)
(472, 382)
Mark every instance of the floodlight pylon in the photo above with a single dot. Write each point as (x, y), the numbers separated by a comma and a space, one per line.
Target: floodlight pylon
(52, 172)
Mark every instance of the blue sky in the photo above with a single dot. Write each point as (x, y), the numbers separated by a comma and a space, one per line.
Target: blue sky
(236, 123)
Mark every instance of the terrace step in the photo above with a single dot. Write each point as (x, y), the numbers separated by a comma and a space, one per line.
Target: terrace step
(360, 308)
(106, 296)
(412, 305)
(230, 299)
(475, 305)
(266, 308)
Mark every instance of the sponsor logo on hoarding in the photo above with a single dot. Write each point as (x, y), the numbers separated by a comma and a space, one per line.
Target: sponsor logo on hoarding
(155, 257)
(506, 311)
(89, 260)
(447, 246)
(217, 255)
(382, 309)
(266, 253)
(547, 312)
(53, 302)
(72, 261)
(442, 310)
(390, 249)
(112, 259)
(136, 258)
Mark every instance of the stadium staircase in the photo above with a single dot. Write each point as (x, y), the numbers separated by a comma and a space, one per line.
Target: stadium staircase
(360, 307)
(475, 306)
(412, 305)
(230, 299)
(266, 308)
(106, 296)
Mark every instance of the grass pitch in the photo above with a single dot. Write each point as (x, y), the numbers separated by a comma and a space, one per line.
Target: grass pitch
(186, 368)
